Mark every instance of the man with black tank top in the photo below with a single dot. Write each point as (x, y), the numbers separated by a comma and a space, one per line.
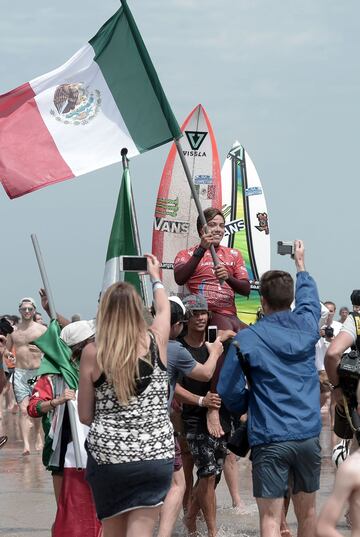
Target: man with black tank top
(207, 451)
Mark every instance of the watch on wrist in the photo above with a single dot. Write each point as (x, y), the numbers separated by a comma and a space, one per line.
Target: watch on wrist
(199, 252)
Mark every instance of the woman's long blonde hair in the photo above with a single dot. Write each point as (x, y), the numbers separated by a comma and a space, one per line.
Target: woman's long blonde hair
(120, 325)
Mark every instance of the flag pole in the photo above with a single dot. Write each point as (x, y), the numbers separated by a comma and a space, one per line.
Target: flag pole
(71, 409)
(135, 229)
(196, 198)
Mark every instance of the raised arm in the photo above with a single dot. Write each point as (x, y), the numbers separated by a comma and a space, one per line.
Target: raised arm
(86, 395)
(161, 323)
(307, 299)
(45, 305)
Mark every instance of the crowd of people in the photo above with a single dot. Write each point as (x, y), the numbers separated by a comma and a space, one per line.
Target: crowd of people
(150, 413)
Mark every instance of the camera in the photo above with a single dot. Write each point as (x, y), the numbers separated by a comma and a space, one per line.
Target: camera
(349, 376)
(286, 248)
(329, 332)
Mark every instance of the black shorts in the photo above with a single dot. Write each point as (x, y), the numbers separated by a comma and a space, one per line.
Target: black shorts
(208, 452)
(274, 464)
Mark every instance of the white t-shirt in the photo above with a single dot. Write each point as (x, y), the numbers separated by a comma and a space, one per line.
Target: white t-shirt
(349, 327)
(322, 346)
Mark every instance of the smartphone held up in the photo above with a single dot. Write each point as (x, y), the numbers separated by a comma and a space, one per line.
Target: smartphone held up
(212, 333)
(133, 263)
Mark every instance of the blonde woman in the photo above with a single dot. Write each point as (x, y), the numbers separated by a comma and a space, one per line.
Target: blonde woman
(123, 397)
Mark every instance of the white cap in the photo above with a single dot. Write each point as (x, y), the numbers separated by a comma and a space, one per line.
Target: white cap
(77, 332)
(178, 301)
(27, 299)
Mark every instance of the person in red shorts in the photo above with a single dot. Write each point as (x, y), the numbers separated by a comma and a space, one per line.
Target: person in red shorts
(195, 268)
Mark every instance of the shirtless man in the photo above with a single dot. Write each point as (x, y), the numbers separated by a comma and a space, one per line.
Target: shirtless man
(346, 489)
(28, 359)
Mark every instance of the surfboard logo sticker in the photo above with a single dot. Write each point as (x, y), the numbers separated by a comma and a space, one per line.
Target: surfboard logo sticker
(236, 153)
(253, 191)
(167, 207)
(234, 227)
(263, 223)
(195, 138)
(202, 180)
(171, 226)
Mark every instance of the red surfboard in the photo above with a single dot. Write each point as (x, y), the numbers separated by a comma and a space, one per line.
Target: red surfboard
(175, 211)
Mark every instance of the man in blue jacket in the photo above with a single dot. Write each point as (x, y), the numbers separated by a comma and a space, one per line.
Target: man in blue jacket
(283, 396)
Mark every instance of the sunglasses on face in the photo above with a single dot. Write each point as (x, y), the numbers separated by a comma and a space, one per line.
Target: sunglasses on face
(27, 309)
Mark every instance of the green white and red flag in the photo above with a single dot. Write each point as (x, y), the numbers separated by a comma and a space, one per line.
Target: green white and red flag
(78, 117)
(122, 239)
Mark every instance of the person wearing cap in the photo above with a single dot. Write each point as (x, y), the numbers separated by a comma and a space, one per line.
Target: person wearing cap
(207, 450)
(48, 401)
(28, 358)
(194, 267)
(181, 362)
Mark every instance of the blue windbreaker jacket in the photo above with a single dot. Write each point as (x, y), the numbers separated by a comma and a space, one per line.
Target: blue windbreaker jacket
(283, 400)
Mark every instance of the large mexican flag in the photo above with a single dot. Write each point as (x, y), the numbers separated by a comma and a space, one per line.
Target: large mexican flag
(78, 117)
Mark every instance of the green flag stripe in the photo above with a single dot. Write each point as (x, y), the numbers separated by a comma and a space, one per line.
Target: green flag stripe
(57, 354)
(122, 240)
(133, 82)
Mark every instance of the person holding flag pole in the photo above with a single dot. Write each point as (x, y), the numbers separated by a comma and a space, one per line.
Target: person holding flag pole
(63, 453)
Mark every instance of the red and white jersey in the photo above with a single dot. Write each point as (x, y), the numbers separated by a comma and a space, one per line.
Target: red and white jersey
(220, 298)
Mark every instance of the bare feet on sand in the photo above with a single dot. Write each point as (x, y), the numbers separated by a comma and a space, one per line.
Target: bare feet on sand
(190, 525)
(213, 423)
(39, 443)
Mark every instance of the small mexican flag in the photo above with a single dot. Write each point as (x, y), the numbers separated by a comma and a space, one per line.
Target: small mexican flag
(78, 117)
(122, 240)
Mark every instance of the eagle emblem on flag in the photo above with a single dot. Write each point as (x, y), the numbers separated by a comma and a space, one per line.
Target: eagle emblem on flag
(75, 104)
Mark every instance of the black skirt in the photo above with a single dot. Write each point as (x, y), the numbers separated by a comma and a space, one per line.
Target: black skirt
(122, 487)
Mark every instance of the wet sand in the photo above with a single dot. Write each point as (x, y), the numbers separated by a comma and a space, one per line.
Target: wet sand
(27, 505)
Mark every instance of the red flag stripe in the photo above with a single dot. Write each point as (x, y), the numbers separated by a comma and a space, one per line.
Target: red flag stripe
(26, 146)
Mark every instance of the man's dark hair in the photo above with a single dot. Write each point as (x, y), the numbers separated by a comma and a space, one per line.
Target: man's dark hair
(177, 314)
(277, 287)
(209, 214)
(355, 297)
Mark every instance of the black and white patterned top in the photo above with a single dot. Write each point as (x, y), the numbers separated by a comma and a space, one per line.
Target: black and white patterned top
(139, 431)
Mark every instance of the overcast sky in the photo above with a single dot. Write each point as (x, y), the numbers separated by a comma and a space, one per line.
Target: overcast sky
(282, 77)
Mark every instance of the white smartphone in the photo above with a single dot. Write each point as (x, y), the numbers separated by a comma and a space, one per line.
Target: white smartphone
(133, 263)
(212, 333)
